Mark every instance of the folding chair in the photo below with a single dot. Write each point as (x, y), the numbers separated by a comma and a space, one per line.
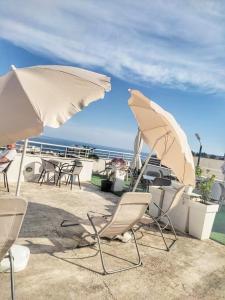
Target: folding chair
(12, 211)
(4, 172)
(128, 212)
(149, 219)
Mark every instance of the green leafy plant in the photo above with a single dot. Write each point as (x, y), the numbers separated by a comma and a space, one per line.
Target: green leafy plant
(205, 187)
(198, 171)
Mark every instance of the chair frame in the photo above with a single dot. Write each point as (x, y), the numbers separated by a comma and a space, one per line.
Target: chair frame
(5, 177)
(44, 172)
(161, 228)
(97, 236)
(70, 174)
(11, 261)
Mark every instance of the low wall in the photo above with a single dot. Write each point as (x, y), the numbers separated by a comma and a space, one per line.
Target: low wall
(211, 167)
(33, 167)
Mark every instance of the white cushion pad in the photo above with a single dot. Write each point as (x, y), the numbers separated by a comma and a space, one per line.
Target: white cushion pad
(21, 256)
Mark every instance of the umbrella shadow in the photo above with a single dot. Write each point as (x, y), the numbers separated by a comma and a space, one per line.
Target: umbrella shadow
(42, 232)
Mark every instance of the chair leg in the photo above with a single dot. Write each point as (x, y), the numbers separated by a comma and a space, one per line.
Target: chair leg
(171, 225)
(7, 184)
(43, 177)
(71, 182)
(58, 178)
(161, 232)
(40, 175)
(12, 275)
(4, 179)
(67, 181)
(135, 265)
(78, 178)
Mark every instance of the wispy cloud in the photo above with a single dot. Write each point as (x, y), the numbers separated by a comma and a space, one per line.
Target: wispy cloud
(174, 43)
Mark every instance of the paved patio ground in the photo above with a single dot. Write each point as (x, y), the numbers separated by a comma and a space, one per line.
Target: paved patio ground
(57, 269)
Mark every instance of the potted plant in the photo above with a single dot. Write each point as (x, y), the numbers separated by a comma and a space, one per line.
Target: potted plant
(118, 174)
(202, 211)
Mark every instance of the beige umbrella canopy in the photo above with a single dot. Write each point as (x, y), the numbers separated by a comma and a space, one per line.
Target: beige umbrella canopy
(39, 96)
(138, 143)
(162, 133)
(34, 97)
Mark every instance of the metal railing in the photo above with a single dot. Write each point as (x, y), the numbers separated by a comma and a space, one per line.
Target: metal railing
(40, 148)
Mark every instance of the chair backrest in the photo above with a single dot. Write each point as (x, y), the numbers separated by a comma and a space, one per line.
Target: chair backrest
(128, 212)
(49, 165)
(12, 211)
(176, 198)
(78, 166)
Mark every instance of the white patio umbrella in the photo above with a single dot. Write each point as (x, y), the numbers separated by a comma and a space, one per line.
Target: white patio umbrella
(138, 144)
(34, 97)
(164, 136)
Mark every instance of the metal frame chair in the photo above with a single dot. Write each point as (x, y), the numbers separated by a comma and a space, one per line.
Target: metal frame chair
(49, 166)
(4, 172)
(150, 220)
(72, 171)
(12, 211)
(128, 213)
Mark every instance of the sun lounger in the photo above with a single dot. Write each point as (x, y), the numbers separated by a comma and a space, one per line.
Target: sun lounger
(12, 211)
(128, 212)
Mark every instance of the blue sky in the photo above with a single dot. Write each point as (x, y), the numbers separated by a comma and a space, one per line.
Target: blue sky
(173, 51)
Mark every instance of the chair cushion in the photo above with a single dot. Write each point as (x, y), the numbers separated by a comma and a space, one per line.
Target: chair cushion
(21, 256)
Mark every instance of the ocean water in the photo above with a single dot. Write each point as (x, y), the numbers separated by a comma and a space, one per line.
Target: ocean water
(64, 142)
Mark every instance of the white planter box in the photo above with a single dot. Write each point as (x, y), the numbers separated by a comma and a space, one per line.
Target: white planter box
(157, 197)
(201, 218)
(118, 181)
(178, 214)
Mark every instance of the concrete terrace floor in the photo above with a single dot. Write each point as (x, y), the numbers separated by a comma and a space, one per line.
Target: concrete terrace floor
(58, 270)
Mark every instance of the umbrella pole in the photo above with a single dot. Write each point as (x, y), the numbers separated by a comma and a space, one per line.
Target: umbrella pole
(21, 167)
(146, 163)
(142, 170)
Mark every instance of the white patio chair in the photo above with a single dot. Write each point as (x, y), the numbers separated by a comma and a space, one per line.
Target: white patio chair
(128, 212)
(12, 211)
(148, 219)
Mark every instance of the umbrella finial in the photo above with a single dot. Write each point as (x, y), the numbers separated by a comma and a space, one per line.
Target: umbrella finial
(13, 67)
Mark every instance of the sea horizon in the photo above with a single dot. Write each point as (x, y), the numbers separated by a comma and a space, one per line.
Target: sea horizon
(68, 142)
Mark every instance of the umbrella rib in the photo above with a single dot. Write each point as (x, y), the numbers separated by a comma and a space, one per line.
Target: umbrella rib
(56, 70)
(150, 129)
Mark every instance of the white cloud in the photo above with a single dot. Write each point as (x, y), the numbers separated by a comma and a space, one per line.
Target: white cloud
(174, 43)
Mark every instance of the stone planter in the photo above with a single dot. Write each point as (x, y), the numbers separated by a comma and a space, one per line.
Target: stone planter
(201, 218)
(118, 180)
